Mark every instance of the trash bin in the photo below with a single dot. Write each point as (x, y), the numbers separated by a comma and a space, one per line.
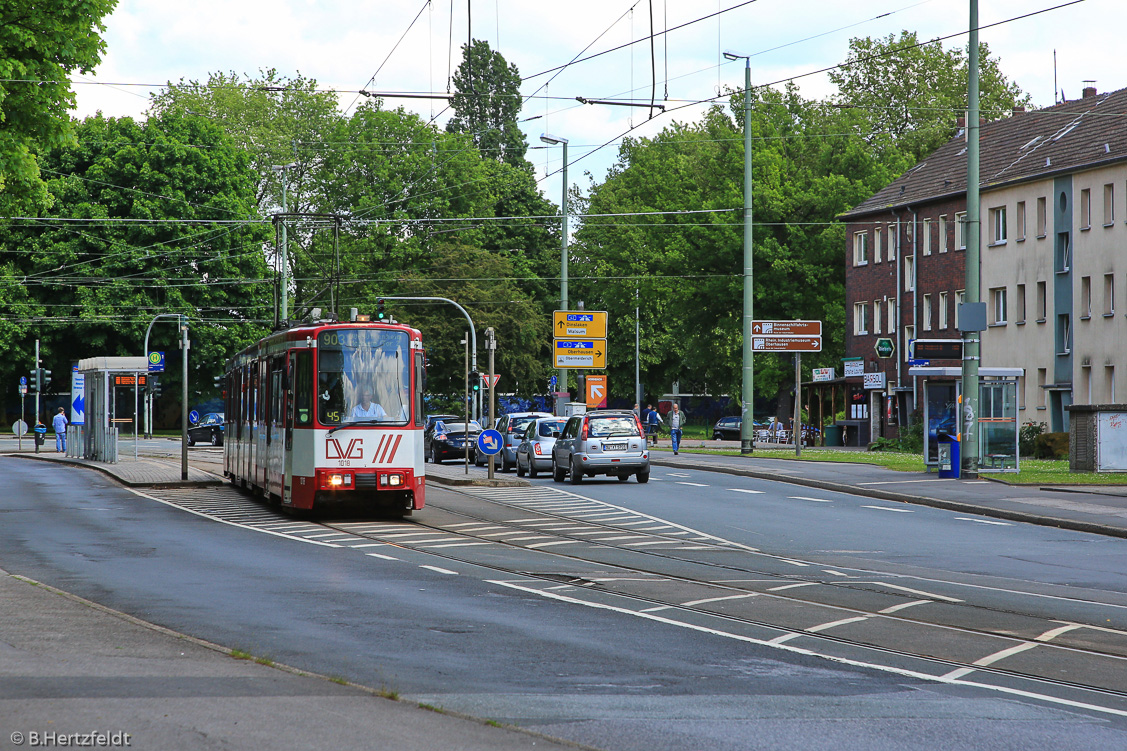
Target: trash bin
(949, 457)
(835, 435)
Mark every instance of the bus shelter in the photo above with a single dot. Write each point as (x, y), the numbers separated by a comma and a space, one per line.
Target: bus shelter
(996, 422)
(104, 378)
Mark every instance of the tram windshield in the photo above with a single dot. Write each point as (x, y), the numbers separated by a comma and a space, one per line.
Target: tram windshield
(363, 377)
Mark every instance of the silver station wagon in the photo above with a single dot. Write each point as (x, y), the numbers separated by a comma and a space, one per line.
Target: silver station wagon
(603, 442)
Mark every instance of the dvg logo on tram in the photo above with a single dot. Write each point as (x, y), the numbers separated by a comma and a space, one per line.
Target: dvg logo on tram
(385, 451)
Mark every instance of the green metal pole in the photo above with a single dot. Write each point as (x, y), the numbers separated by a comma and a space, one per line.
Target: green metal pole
(562, 386)
(972, 339)
(747, 424)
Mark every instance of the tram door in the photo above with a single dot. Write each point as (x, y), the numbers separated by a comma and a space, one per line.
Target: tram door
(287, 436)
(299, 413)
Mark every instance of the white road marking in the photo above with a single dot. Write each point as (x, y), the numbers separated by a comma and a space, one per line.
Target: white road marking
(905, 482)
(677, 474)
(692, 603)
(805, 498)
(904, 605)
(1054, 633)
(793, 586)
(890, 508)
(438, 570)
(691, 484)
(919, 592)
(982, 521)
(991, 659)
(834, 573)
(834, 624)
(454, 545)
(554, 542)
(384, 557)
(745, 490)
(370, 545)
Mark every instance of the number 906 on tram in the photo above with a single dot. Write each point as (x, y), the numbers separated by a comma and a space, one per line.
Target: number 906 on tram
(327, 413)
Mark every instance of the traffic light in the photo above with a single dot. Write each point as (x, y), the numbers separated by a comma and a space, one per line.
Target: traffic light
(45, 379)
(33, 382)
(154, 386)
(475, 381)
(381, 314)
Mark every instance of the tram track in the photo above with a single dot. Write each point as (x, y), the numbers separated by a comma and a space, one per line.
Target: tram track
(667, 581)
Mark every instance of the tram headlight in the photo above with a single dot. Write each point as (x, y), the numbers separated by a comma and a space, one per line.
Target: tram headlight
(391, 481)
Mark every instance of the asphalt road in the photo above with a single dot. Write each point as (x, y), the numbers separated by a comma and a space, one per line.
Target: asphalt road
(469, 634)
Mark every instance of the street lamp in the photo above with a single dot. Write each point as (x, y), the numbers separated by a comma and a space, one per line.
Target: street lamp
(557, 141)
(747, 422)
(284, 306)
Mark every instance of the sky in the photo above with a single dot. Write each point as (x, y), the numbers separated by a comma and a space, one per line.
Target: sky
(413, 46)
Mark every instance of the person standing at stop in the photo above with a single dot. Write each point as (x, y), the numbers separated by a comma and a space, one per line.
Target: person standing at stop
(59, 423)
(676, 425)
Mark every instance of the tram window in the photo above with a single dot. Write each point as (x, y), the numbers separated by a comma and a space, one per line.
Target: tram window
(420, 385)
(354, 363)
(303, 388)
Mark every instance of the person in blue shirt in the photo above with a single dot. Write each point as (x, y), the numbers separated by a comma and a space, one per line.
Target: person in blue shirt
(60, 425)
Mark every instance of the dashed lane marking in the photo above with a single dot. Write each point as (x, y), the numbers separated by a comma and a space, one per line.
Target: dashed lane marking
(890, 508)
(982, 521)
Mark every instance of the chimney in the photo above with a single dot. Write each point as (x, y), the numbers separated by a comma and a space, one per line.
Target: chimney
(1018, 110)
(1089, 89)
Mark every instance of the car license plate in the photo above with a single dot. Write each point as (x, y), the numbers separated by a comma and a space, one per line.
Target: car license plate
(614, 447)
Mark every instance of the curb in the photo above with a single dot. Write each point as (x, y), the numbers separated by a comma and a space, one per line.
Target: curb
(917, 500)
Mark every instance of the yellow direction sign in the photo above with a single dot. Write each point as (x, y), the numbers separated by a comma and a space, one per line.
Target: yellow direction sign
(579, 353)
(582, 324)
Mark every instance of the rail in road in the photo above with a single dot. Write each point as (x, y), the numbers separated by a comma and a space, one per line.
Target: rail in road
(548, 542)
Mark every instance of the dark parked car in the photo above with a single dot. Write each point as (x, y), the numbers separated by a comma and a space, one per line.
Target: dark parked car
(603, 442)
(727, 428)
(432, 419)
(512, 428)
(208, 430)
(448, 440)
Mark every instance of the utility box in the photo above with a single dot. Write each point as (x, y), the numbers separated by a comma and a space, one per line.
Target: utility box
(574, 408)
(949, 456)
(1097, 437)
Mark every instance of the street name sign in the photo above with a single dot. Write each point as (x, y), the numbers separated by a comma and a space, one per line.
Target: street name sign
(582, 324)
(787, 328)
(786, 344)
(579, 353)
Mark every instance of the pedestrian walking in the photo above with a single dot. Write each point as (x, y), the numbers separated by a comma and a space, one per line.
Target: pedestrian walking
(676, 425)
(60, 425)
(653, 422)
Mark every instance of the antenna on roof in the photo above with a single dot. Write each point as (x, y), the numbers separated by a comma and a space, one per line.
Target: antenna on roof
(1055, 89)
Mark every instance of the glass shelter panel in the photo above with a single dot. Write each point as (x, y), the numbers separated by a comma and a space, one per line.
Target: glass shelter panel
(997, 426)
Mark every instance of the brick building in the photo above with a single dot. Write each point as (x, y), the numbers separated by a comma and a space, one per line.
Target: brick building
(1053, 246)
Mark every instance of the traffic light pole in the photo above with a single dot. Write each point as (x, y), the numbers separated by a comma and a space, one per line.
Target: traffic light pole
(491, 345)
(38, 389)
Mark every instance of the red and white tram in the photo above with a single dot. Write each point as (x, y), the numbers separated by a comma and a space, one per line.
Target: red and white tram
(329, 412)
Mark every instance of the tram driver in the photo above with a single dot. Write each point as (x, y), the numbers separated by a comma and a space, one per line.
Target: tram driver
(366, 409)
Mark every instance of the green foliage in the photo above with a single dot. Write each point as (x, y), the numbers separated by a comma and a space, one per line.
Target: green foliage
(908, 95)
(1051, 446)
(41, 45)
(1027, 435)
(487, 101)
(149, 194)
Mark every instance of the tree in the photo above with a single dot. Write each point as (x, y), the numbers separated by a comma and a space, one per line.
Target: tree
(487, 101)
(165, 206)
(910, 94)
(41, 44)
(684, 270)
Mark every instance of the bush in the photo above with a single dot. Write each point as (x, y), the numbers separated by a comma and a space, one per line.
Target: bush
(1051, 446)
(1027, 435)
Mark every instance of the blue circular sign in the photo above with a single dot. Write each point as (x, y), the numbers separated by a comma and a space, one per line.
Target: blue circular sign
(23, 380)
(193, 417)
(490, 441)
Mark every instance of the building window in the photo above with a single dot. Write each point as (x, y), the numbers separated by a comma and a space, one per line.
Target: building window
(877, 237)
(1063, 254)
(927, 313)
(876, 317)
(1085, 298)
(1109, 295)
(1020, 302)
(998, 306)
(1109, 381)
(927, 237)
(892, 316)
(943, 310)
(909, 336)
(1021, 392)
(1042, 303)
(1041, 373)
(860, 248)
(1109, 205)
(960, 298)
(943, 233)
(860, 318)
(1042, 221)
(998, 225)
(961, 230)
(1020, 216)
(1064, 334)
(892, 242)
(1085, 209)
(909, 273)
